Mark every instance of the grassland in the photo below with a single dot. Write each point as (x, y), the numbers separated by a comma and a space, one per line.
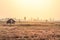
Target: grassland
(43, 31)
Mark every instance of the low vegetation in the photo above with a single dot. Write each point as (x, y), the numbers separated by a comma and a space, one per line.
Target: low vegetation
(29, 33)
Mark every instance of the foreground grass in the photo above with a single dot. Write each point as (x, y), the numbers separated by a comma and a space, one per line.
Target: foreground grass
(29, 33)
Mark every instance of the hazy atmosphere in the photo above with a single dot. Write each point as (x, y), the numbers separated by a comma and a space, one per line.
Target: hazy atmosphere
(44, 9)
(29, 19)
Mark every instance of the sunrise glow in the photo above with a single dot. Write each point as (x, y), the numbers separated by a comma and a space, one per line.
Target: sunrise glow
(44, 9)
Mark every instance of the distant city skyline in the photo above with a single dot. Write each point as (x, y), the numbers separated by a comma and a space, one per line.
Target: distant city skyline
(42, 9)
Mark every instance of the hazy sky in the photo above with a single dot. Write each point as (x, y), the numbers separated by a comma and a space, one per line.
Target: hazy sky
(44, 9)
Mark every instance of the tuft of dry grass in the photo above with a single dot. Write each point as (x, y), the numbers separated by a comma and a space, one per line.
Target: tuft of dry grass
(29, 33)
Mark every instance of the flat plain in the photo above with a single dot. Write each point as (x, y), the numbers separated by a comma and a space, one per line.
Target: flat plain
(27, 32)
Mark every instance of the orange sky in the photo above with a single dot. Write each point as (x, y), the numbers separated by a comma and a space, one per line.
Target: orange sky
(44, 9)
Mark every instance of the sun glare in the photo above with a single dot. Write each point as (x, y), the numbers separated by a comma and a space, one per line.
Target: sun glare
(32, 8)
(33, 3)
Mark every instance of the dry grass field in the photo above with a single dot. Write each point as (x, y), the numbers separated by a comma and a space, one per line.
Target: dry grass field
(27, 32)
